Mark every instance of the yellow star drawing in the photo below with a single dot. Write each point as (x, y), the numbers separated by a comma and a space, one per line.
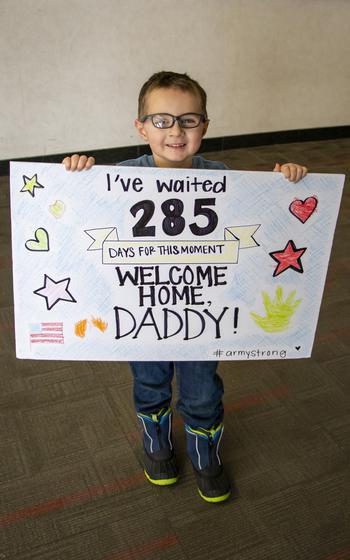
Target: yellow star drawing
(31, 184)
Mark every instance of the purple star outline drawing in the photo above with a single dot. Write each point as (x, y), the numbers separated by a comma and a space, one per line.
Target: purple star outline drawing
(53, 291)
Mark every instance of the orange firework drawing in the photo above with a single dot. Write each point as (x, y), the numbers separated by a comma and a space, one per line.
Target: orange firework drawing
(80, 328)
(98, 323)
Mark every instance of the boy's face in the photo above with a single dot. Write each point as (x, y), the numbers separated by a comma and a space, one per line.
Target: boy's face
(175, 146)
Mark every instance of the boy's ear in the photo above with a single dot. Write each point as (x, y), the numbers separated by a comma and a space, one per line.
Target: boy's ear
(139, 125)
(205, 128)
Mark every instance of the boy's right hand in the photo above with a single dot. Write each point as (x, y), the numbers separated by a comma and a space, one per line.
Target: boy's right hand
(78, 163)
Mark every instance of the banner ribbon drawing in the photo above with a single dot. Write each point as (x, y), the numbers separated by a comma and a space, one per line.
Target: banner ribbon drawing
(115, 251)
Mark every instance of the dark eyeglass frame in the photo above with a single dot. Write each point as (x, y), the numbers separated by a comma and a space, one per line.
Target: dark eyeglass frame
(175, 119)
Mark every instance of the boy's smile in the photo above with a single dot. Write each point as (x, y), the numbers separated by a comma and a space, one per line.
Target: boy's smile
(175, 146)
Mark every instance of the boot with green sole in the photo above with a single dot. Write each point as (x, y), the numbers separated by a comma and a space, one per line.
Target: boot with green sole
(159, 461)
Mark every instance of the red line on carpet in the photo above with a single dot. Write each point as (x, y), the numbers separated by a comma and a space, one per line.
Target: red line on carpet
(7, 326)
(258, 399)
(62, 502)
(331, 335)
(340, 555)
(145, 549)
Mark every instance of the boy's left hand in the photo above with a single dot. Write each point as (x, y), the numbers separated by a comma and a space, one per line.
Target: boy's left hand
(292, 171)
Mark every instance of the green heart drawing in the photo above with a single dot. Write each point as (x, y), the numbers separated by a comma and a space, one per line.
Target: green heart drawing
(41, 241)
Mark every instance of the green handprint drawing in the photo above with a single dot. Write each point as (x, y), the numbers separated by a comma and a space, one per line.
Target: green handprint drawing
(278, 312)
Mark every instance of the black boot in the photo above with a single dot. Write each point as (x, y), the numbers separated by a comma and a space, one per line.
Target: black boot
(159, 461)
(203, 450)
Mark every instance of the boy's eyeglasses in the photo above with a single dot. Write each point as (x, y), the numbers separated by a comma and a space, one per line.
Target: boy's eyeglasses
(165, 120)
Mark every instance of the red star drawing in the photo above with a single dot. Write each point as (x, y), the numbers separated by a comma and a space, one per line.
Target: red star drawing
(289, 257)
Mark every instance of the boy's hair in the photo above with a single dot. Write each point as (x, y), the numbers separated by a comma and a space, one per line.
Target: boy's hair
(171, 80)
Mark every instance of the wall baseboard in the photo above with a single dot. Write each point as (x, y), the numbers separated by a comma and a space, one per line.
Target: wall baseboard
(110, 155)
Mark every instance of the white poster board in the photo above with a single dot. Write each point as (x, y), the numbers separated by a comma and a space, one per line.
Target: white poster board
(126, 263)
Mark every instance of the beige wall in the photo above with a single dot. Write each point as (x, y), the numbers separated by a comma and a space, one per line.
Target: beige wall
(71, 69)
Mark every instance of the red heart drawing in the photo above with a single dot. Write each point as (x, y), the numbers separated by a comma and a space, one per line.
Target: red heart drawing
(302, 209)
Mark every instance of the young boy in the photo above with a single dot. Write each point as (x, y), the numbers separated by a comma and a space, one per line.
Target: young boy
(172, 119)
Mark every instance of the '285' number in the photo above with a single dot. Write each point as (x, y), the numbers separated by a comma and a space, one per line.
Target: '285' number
(174, 222)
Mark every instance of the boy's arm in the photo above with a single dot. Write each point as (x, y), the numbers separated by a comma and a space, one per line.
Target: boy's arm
(77, 162)
(292, 171)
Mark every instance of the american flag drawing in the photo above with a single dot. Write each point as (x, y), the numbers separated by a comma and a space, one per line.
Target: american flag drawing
(46, 333)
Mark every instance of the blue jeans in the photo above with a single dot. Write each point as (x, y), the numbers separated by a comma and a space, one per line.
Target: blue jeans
(200, 390)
